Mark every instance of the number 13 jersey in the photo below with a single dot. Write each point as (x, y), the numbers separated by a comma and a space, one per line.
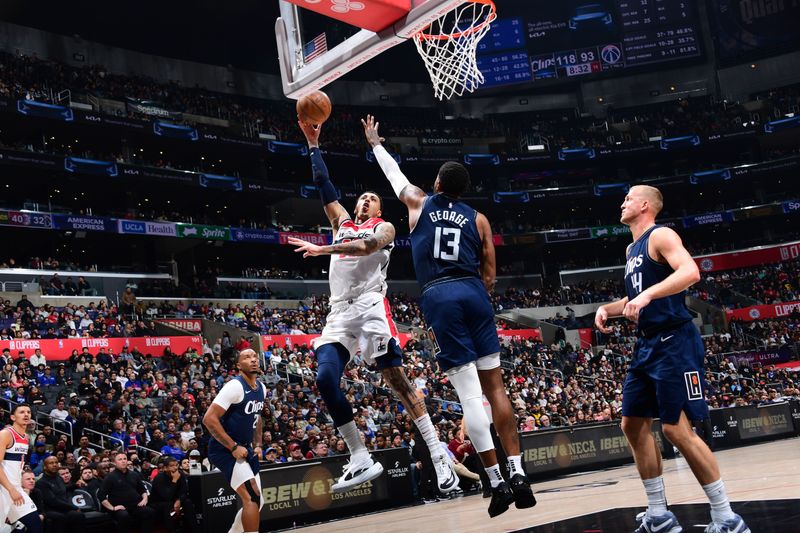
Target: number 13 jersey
(445, 243)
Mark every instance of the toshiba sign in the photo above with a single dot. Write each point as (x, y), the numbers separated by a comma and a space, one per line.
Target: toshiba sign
(194, 325)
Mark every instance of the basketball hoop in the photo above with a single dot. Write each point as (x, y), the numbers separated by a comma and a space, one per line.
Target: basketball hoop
(449, 44)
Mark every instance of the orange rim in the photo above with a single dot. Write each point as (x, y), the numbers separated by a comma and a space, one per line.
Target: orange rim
(492, 16)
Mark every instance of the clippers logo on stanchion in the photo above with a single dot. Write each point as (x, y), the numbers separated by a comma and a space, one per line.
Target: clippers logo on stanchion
(345, 6)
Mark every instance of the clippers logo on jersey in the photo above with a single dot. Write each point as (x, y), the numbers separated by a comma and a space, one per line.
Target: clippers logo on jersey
(630, 272)
(641, 273)
(253, 407)
(693, 389)
(351, 276)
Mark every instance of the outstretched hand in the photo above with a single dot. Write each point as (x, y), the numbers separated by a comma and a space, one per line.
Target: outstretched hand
(311, 131)
(309, 249)
(371, 131)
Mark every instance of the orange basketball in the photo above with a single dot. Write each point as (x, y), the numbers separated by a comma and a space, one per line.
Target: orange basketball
(314, 108)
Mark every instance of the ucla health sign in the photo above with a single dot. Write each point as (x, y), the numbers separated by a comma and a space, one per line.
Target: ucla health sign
(144, 227)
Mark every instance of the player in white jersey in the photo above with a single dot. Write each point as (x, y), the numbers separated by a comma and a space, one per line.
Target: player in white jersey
(360, 321)
(15, 504)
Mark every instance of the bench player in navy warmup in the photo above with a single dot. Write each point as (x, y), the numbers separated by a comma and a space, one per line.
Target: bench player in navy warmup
(360, 320)
(234, 421)
(453, 251)
(665, 376)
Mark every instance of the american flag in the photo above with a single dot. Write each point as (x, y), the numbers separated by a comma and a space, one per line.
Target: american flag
(315, 48)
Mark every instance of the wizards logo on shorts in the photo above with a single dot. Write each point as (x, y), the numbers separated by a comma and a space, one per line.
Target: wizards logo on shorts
(693, 388)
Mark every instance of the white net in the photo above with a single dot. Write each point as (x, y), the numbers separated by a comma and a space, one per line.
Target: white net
(448, 48)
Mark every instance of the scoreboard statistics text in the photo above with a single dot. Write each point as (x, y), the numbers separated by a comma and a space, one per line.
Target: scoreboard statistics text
(567, 39)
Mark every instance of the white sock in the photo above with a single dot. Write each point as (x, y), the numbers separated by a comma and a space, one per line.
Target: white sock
(237, 524)
(656, 496)
(353, 439)
(720, 505)
(495, 477)
(515, 465)
(429, 434)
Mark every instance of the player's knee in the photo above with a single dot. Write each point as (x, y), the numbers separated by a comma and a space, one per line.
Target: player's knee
(255, 496)
(328, 377)
(626, 426)
(634, 429)
(677, 434)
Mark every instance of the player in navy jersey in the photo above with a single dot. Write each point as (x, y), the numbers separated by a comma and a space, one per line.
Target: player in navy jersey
(665, 376)
(234, 421)
(454, 261)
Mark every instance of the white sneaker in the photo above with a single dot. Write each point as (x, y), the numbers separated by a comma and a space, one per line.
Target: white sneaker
(357, 472)
(445, 474)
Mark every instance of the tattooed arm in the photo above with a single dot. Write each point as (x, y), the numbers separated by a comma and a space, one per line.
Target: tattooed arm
(384, 234)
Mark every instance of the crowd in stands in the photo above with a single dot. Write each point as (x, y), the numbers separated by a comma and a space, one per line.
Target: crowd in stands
(585, 292)
(33, 78)
(49, 263)
(151, 404)
(24, 320)
(762, 284)
(310, 318)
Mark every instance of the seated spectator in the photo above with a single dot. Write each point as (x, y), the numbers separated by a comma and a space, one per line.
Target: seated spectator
(170, 497)
(171, 449)
(124, 496)
(61, 515)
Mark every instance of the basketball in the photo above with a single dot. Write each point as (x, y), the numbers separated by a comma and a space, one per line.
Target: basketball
(314, 108)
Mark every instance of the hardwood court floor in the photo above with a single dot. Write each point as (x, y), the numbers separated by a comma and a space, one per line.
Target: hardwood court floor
(769, 471)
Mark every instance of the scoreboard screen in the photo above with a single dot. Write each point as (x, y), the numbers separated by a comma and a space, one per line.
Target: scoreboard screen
(567, 39)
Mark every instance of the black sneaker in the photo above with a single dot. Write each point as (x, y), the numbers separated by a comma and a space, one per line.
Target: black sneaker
(501, 499)
(523, 495)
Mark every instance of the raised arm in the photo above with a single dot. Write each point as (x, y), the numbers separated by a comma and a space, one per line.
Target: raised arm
(327, 192)
(488, 260)
(384, 234)
(409, 194)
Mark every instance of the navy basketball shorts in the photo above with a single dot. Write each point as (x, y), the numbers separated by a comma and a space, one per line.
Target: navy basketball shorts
(236, 472)
(460, 320)
(666, 377)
